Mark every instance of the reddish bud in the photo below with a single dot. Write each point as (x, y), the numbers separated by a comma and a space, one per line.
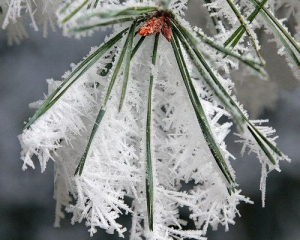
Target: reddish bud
(152, 26)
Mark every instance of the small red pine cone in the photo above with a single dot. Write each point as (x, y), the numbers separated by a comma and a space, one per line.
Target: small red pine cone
(167, 32)
(152, 26)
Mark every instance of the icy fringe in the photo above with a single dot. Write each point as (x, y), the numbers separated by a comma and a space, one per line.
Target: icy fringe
(222, 9)
(249, 143)
(16, 31)
(281, 50)
(292, 10)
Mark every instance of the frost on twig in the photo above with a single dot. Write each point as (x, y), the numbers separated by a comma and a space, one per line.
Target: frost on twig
(117, 168)
(189, 114)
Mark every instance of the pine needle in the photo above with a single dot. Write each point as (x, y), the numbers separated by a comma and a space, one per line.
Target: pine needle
(127, 64)
(132, 11)
(119, 64)
(72, 14)
(149, 178)
(99, 118)
(106, 23)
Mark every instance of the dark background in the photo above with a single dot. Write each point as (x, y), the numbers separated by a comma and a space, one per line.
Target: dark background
(26, 198)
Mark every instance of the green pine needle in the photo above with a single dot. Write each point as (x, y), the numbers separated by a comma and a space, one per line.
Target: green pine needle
(132, 11)
(211, 80)
(106, 23)
(66, 6)
(119, 64)
(278, 24)
(109, 65)
(274, 25)
(262, 146)
(250, 63)
(99, 118)
(95, 4)
(280, 32)
(101, 112)
(137, 46)
(72, 14)
(127, 64)
(149, 178)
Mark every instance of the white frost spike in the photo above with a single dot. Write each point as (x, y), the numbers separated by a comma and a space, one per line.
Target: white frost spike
(249, 142)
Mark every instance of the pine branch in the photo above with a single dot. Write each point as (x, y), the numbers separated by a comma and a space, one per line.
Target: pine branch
(100, 194)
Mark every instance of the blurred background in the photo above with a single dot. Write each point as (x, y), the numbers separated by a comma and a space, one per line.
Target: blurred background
(26, 198)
